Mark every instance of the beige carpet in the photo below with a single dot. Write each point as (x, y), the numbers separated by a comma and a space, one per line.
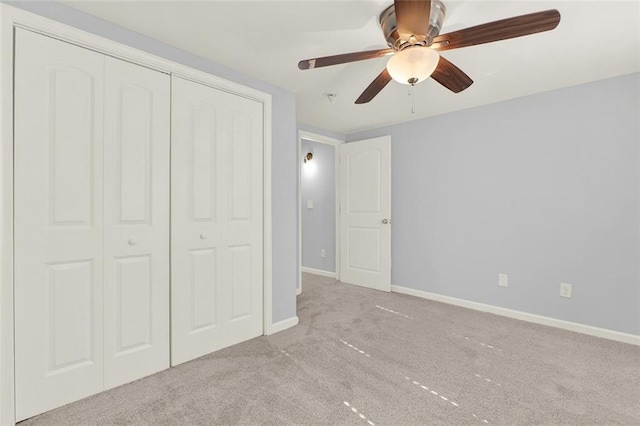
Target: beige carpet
(362, 357)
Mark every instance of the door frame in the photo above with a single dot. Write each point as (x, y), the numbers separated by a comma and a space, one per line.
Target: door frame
(12, 17)
(315, 137)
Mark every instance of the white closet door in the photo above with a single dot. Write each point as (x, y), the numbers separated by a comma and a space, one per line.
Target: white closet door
(136, 158)
(58, 223)
(216, 220)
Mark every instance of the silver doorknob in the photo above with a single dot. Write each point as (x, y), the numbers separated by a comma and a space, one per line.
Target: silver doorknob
(133, 241)
(385, 221)
(203, 236)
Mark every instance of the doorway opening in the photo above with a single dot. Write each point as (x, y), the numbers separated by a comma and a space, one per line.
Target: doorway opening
(318, 206)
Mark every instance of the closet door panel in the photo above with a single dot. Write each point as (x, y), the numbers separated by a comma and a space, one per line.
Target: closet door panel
(242, 221)
(196, 234)
(137, 132)
(58, 223)
(216, 220)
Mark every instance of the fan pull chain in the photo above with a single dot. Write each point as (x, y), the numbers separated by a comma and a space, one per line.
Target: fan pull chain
(410, 93)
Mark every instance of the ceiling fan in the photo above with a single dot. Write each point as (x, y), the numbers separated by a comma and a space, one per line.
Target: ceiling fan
(412, 30)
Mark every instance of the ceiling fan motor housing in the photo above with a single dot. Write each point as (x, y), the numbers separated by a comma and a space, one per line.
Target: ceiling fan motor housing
(390, 28)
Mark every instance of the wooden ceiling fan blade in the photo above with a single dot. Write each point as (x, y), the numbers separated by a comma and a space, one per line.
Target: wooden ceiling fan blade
(503, 29)
(344, 58)
(412, 17)
(375, 87)
(450, 76)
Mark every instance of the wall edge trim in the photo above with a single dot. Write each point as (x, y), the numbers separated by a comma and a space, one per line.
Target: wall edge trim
(279, 326)
(318, 272)
(523, 316)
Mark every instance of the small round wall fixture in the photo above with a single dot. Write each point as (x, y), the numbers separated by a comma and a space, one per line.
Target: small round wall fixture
(308, 157)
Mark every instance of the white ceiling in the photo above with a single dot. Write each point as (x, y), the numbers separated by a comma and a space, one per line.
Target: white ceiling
(266, 39)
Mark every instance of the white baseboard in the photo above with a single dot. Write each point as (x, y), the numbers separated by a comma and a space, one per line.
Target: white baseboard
(318, 272)
(299, 291)
(282, 325)
(524, 316)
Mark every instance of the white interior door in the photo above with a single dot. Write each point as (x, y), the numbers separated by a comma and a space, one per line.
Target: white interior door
(216, 220)
(136, 243)
(58, 223)
(365, 208)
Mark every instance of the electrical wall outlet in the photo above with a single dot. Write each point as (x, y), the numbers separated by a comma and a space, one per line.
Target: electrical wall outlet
(503, 280)
(323, 253)
(309, 204)
(565, 290)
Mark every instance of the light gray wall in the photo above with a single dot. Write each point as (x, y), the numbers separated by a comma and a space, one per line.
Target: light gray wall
(284, 140)
(318, 184)
(543, 188)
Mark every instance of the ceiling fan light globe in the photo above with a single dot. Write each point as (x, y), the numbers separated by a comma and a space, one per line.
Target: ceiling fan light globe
(413, 64)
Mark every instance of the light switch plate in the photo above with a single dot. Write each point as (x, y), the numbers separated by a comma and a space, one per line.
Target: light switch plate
(309, 204)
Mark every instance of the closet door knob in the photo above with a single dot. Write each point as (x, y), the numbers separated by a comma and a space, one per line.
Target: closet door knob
(133, 241)
(203, 236)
